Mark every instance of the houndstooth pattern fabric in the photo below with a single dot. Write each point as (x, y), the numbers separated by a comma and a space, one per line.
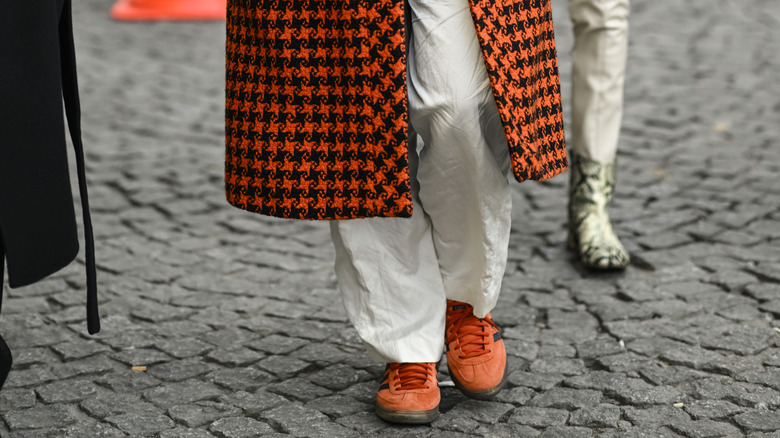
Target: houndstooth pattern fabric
(316, 108)
(518, 44)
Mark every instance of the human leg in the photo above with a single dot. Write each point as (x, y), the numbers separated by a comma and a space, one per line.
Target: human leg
(463, 185)
(598, 74)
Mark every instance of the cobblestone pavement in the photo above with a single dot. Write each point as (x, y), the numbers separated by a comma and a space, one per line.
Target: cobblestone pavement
(241, 331)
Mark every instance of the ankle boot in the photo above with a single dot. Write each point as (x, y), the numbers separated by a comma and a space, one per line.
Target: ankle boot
(5, 361)
(590, 232)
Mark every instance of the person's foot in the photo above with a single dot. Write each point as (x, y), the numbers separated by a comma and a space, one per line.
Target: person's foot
(590, 231)
(409, 393)
(476, 356)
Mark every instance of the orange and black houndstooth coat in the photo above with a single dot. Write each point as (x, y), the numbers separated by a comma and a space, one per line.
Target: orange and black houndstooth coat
(316, 109)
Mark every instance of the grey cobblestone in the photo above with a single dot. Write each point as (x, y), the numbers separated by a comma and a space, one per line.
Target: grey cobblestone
(239, 428)
(143, 423)
(237, 318)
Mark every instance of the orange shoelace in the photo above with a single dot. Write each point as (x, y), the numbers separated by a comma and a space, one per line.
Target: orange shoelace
(411, 375)
(473, 334)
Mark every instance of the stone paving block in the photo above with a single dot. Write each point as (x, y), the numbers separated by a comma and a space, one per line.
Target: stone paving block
(184, 348)
(655, 416)
(598, 380)
(706, 429)
(227, 337)
(141, 357)
(556, 350)
(312, 330)
(714, 389)
(539, 417)
(299, 389)
(566, 432)
(555, 300)
(772, 358)
(240, 379)
(128, 381)
(31, 377)
(339, 377)
(769, 377)
(772, 306)
(26, 357)
(640, 395)
(32, 305)
(599, 416)
(199, 414)
(126, 339)
(84, 429)
(364, 392)
(293, 419)
(111, 404)
(66, 391)
(337, 406)
(759, 398)
(142, 423)
(659, 374)
(539, 381)
(179, 370)
(510, 430)
(13, 399)
(363, 424)
(79, 349)
(91, 366)
(573, 335)
(712, 409)
(184, 432)
(640, 432)
(652, 347)
(179, 328)
(567, 398)
(567, 367)
(630, 330)
(515, 396)
(624, 362)
(283, 367)
(599, 347)
(253, 403)
(742, 312)
(181, 393)
(734, 366)
(764, 291)
(41, 417)
(690, 356)
(523, 349)
(481, 411)
(276, 344)
(237, 356)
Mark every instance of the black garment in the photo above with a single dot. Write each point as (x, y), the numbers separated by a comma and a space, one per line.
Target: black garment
(37, 72)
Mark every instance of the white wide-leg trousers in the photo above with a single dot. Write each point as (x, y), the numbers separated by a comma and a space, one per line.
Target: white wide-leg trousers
(598, 75)
(394, 274)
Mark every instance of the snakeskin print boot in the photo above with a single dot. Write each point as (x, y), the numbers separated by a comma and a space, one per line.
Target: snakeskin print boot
(590, 232)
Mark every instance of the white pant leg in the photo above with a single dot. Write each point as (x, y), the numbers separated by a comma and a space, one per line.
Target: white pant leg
(598, 75)
(388, 275)
(465, 160)
(395, 274)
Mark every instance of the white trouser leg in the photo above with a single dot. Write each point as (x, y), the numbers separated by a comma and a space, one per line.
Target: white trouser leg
(598, 75)
(396, 274)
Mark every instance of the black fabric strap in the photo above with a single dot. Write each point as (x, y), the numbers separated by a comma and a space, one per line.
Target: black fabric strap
(70, 94)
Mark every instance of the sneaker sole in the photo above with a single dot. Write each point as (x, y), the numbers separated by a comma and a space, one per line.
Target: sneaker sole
(479, 394)
(407, 417)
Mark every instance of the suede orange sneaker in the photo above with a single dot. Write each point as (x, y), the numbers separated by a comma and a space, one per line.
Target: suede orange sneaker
(476, 356)
(409, 393)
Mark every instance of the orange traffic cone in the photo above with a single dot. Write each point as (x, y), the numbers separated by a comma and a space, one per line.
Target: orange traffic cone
(149, 10)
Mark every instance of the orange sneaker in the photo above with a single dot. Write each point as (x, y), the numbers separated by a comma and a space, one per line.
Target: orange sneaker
(476, 356)
(409, 393)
